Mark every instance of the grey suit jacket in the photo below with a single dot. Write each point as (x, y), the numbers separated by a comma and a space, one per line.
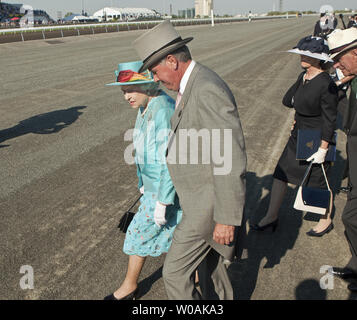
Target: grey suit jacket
(207, 196)
(350, 127)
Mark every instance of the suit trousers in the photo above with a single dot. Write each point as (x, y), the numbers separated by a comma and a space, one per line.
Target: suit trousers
(349, 218)
(188, 253)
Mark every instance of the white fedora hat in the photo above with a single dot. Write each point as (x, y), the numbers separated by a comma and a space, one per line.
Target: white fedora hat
(341, 41)
(157, 43)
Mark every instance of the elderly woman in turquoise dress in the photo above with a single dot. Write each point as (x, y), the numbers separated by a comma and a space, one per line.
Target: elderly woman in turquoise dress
(150, 232)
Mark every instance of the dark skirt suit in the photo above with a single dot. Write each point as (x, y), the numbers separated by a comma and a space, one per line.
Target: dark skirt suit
(315, 103)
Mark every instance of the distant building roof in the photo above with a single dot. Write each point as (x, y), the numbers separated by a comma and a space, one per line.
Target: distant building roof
(71, 17)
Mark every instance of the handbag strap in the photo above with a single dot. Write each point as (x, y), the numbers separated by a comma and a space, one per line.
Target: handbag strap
(136, 201)
(308, 171)
(323, 170)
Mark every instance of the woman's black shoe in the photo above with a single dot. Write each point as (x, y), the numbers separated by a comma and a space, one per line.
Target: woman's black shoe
(273, 225)
(313, 233)
(110, 297)
(130, 296)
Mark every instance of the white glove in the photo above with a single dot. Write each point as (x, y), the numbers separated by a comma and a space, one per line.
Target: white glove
(159, 214)
(318, 156)
(142, 190)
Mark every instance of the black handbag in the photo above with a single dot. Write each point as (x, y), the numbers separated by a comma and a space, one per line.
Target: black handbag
(314, 199)
(127, 217)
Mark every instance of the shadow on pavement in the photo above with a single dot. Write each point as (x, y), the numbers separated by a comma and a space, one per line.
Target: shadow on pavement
(46, 123)
(353, 295)
(259, 246)
(310, 289)
(146, 284)
(267, 247)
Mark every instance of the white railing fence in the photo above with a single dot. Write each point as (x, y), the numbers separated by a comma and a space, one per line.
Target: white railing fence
(127, 26)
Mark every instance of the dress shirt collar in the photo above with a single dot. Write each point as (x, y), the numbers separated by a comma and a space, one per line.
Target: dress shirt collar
(186, 76)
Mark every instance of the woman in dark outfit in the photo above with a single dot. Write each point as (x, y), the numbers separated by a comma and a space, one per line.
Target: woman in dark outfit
(314, 98)
(320, 25)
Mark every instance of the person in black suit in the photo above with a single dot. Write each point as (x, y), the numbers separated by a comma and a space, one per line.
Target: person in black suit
(343, 47)
(314, 98)
(352, 23)
(320, 25)
(326, 24)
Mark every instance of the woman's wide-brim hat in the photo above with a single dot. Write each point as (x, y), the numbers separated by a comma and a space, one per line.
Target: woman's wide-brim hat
(340, 41)
(314, 47)
(157, 43)
(128, 73)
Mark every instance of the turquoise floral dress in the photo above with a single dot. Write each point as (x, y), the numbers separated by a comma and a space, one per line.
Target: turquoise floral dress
(144, 237)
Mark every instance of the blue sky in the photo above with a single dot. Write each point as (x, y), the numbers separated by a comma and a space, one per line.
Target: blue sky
(221, 6)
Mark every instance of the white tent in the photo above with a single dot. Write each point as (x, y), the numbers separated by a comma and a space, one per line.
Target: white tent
(110, 13)
(84, 18)
(79, 18)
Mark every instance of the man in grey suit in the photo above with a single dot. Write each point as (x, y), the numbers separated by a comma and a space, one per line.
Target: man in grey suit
(343, 49)
(211, 192)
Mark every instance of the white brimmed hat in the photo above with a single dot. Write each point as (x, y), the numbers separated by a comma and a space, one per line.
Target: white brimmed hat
(341, 41)
(314, 47)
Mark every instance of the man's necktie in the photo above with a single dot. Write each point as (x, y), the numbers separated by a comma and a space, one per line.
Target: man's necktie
(178, 99)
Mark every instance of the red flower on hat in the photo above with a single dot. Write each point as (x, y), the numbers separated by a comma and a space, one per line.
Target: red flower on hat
(130, 76)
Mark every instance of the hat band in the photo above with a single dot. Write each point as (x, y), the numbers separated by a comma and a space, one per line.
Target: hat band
(132, 76)
(177, 40)
(338, 49)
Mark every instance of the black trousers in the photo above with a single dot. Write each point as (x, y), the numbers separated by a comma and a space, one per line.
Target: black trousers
(349, 219)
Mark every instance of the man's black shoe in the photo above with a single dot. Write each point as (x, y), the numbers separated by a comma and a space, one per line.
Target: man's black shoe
(344, 273)
(352, 287)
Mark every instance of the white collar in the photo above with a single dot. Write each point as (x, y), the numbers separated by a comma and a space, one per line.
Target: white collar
(186, 76)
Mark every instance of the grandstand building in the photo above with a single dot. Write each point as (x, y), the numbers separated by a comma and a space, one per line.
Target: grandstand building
(8, 11)
(124, 14)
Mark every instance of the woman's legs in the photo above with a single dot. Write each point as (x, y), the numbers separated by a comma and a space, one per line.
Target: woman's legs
(325, 220)
(277, 195)
(323, 223)
(130, 283)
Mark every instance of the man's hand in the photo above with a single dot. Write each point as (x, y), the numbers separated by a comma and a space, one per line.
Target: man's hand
(223, 234)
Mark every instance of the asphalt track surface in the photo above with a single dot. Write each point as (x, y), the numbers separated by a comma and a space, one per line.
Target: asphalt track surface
(65, 184)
